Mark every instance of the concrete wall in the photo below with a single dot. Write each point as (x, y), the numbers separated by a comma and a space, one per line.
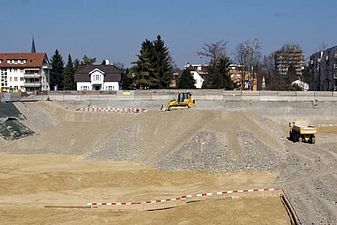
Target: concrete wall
(196, 94)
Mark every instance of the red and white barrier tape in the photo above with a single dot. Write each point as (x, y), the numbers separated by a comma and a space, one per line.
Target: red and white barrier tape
(181, 198)
(124, 110)
(328, 125)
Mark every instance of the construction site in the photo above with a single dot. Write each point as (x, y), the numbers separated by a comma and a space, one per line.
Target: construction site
(223, 159)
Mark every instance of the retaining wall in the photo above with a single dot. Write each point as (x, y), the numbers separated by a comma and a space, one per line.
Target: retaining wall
(203, 94)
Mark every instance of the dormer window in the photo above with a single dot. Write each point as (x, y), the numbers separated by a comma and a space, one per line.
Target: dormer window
(97, 77)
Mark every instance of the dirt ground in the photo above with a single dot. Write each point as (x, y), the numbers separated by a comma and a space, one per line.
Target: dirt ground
(30, 182)
(52, 167)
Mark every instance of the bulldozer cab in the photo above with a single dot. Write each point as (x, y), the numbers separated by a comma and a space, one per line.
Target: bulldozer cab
(184, 95)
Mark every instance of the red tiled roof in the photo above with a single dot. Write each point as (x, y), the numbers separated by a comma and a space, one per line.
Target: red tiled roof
(34, 60)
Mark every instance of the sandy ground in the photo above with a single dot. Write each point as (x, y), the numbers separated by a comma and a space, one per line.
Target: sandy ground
(30, 182)
(49, 168)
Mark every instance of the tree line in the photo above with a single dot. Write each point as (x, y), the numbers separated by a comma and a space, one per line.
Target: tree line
(154, 67)
(62, 76)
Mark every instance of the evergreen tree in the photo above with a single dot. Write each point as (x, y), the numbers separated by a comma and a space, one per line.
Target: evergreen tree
(87, 60)
(153, 68)
(127, 80)
(218, 75)
(56, 74)
(69, 71)
(76, 64)
(143, 70)
(161, 63)
(186, 80)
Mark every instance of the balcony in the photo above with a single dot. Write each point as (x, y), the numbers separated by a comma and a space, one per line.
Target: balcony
(34, 75)
(47, 67)
(32, 84)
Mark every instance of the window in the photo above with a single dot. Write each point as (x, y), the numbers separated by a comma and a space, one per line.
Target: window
(22, 79)
(15, 79)
(97, 77)
(110, 88)
(10, 79)
(84, 88)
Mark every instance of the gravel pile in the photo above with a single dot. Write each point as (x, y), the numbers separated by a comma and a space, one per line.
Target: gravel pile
(123, 146)
(202, 152)
(257, 155)
(205, 152)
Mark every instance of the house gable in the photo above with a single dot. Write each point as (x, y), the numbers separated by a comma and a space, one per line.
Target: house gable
(97, 76)
(96, 70)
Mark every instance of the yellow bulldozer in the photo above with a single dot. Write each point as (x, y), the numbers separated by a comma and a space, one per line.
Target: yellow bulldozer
(184, 101)
(304, 133)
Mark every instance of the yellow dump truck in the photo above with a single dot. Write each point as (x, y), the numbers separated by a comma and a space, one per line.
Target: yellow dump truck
(184, 101)
(303, 133)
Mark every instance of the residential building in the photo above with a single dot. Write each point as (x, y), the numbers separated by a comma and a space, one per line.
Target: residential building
(323, 70)
(289, 66)
(198, 71)
(175, 76)
(27, 72)
(242, 79)
(98, 78)
(289, 55)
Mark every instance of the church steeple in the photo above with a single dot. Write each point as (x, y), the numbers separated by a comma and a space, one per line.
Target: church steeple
(33, 46)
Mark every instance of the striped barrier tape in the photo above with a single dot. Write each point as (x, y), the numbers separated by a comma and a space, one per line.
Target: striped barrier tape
(123, 110)
(328, 125)
(182, 197)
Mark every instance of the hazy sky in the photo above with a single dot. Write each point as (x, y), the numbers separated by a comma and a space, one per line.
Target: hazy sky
(115, 29)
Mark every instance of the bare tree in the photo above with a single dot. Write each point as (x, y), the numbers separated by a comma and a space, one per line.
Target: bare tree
(248, 54)
(268, 70)
(213, 51)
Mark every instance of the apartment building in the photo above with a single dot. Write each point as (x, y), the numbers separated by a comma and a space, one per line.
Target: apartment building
(323, 70)
(289, 55)
(27, 72)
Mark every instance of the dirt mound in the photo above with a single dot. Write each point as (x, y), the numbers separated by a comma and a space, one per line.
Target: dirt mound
(191, 139)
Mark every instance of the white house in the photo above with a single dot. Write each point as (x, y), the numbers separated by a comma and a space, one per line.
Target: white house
(98, 77)
(27, 72)
(198, 71)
